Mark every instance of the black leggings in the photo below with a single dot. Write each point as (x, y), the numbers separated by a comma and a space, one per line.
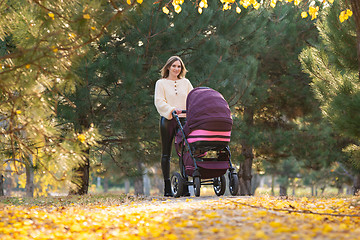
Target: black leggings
(168, 129)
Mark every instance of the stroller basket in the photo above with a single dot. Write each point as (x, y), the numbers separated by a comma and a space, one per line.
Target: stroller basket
(209, 169)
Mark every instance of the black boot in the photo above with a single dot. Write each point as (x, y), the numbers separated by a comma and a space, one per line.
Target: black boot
(186, 192)
(167, 189)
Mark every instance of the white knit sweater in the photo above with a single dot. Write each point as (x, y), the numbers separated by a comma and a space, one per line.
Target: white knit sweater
(170, 94)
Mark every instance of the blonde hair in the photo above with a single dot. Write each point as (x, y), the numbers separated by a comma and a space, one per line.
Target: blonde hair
(165, 69)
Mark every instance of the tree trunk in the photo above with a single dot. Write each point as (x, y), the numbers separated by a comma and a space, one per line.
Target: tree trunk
(272, 185)
(340, 189)
(98, 182)
(138, 182)
(245, 174)
(8, 184)
(139, 185)
(248, 156)
(284, 184)
(81, 177)
(293, 187)
(255, 183)
(146, 182)
(312, 190)
(349, 190)
(106, 185)
(84, 113)
(283, 190)
(357, 184)
(127, 186)
(29, 169)
(323, 189)
(1, 185)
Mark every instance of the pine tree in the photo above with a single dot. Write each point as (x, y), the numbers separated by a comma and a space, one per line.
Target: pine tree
(333, 65)
(43, 40)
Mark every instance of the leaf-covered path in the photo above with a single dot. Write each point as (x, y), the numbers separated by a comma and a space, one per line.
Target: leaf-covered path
(187, 218)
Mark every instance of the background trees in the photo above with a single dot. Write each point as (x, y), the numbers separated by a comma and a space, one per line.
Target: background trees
(77, 85)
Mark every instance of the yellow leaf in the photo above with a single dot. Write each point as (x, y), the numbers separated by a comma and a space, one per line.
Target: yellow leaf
(257, 225)
(261, 213)
(295, 236)
(256, 5)
(245, 3)
(327, 228)
(283, 230)
(297, 2)
(273, 3)
(165, 10)
(27, 66)
(75, 228)
(261, 235)
(17, 225)
(343, 226)
(177, 9)
(81, 138)
(200, 10)
(71, 35)
(226, 6)
(51, 15)
(128, 2)
(238, 10)
(331, 1)
(139, 1)
(342, 16)
(275, 224)
(313, 12)
(86, 16)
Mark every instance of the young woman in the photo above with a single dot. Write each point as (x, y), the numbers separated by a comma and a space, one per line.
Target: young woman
(170, 95)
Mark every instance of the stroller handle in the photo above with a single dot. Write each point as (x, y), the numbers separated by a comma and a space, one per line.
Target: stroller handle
(174, 112)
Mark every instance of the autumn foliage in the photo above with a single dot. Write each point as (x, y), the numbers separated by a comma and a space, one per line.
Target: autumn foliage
(185, 218)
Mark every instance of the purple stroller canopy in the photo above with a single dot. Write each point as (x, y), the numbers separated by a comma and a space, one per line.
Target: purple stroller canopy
(207, 109)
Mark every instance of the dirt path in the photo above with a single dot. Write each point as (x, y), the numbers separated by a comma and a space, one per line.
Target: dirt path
(187, 218)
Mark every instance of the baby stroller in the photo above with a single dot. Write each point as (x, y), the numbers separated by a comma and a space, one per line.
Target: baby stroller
(202, 144)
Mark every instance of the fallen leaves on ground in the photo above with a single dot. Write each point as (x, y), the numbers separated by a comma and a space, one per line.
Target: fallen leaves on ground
(188, 218)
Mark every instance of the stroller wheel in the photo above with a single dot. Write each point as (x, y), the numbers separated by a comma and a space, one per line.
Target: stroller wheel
(220, 185)
(177, 184)
(234, 183)
(197, 184)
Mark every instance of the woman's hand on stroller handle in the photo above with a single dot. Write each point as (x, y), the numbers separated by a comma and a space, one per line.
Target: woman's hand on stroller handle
(178, 111)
